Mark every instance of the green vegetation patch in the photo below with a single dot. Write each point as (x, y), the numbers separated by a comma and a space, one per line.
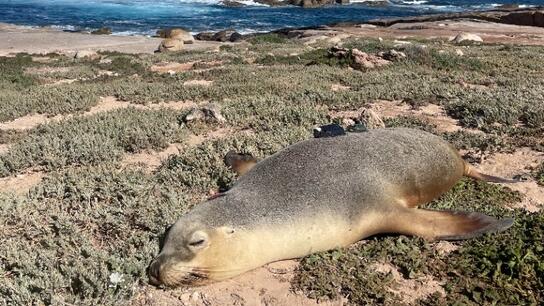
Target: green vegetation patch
(91, 140)
(490, 270)
(83, 236)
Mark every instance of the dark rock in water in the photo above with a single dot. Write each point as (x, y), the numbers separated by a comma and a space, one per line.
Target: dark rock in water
(342, 1)
(375, 3)
(316, 3)
(329, 130)
(274, 2)
(102, 31)
(230, 3)
(207, 36)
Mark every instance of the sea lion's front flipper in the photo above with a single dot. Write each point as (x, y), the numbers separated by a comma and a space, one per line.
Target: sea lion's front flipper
(239, 162)
(448, 225)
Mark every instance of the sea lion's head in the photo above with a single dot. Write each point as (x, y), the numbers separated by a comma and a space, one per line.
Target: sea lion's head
(192, 254)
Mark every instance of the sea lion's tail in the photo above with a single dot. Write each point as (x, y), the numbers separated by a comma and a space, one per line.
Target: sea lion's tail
(471, 172)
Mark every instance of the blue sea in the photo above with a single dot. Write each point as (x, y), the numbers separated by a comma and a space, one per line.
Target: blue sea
(129, 17)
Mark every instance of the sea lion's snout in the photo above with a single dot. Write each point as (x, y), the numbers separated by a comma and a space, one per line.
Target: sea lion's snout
(153, 272)
(165, 270)
(181, 259)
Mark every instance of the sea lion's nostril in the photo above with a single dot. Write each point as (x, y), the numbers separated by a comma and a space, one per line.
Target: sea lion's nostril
(154, 273)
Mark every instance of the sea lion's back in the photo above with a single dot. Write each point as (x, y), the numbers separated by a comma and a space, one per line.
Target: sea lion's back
(354, 168)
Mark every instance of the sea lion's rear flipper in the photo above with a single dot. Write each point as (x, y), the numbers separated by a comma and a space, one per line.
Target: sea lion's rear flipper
(240, 163)
(448, 225)
(473, 173)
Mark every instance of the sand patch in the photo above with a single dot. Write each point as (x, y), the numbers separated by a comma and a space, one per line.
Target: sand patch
(268, 285)
(151, 159)
(410, 290)
(47, 70)
(203, 83)
(4, 147)
(106, 104)
(195, 140)
(20, 183)
(519, 163)
(172, 67)
(339, 87)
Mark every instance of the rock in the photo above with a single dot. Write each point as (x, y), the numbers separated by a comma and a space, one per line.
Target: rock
(462, 37)
(273, 2)
(92, 55)
(392, 55)
(235, 37)
(169, 44)
(371, 120)
(105, 61)
(194, 115)
(224, 35)
(539, 19)
(363, 61)
(375, 3)
(459, 52)
(519, 18)
(213, 111)
(177, 33)
(316, 3)
(102, 31)
(206, 36)
(230, 3)
(342, 1)
(208, 111)
(338, 52)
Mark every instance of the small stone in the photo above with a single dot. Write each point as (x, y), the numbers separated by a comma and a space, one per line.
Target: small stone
(392, 55)
(92, 55)
(371, 120)
(459, 52)
(194, 115)
(461, 37)
(362, 60)
(212, 110)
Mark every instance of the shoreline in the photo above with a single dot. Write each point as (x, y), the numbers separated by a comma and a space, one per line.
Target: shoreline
(521, 25)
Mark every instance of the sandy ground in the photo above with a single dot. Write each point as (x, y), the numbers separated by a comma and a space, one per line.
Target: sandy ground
(15, 39)
(490, 32)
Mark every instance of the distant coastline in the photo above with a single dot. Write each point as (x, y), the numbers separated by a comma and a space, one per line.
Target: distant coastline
(126, 18)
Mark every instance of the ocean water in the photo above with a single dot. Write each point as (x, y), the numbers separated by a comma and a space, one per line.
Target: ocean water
(127, 17)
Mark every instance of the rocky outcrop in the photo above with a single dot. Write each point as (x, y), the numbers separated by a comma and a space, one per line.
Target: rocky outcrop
(102, 31)
(222, 36)
(524, 17)
(315, 3)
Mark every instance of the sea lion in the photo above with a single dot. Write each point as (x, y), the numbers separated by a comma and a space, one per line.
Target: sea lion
(318, 195)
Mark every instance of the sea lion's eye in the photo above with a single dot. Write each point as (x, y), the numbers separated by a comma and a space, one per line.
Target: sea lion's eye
(199, 240)
(197, 243)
